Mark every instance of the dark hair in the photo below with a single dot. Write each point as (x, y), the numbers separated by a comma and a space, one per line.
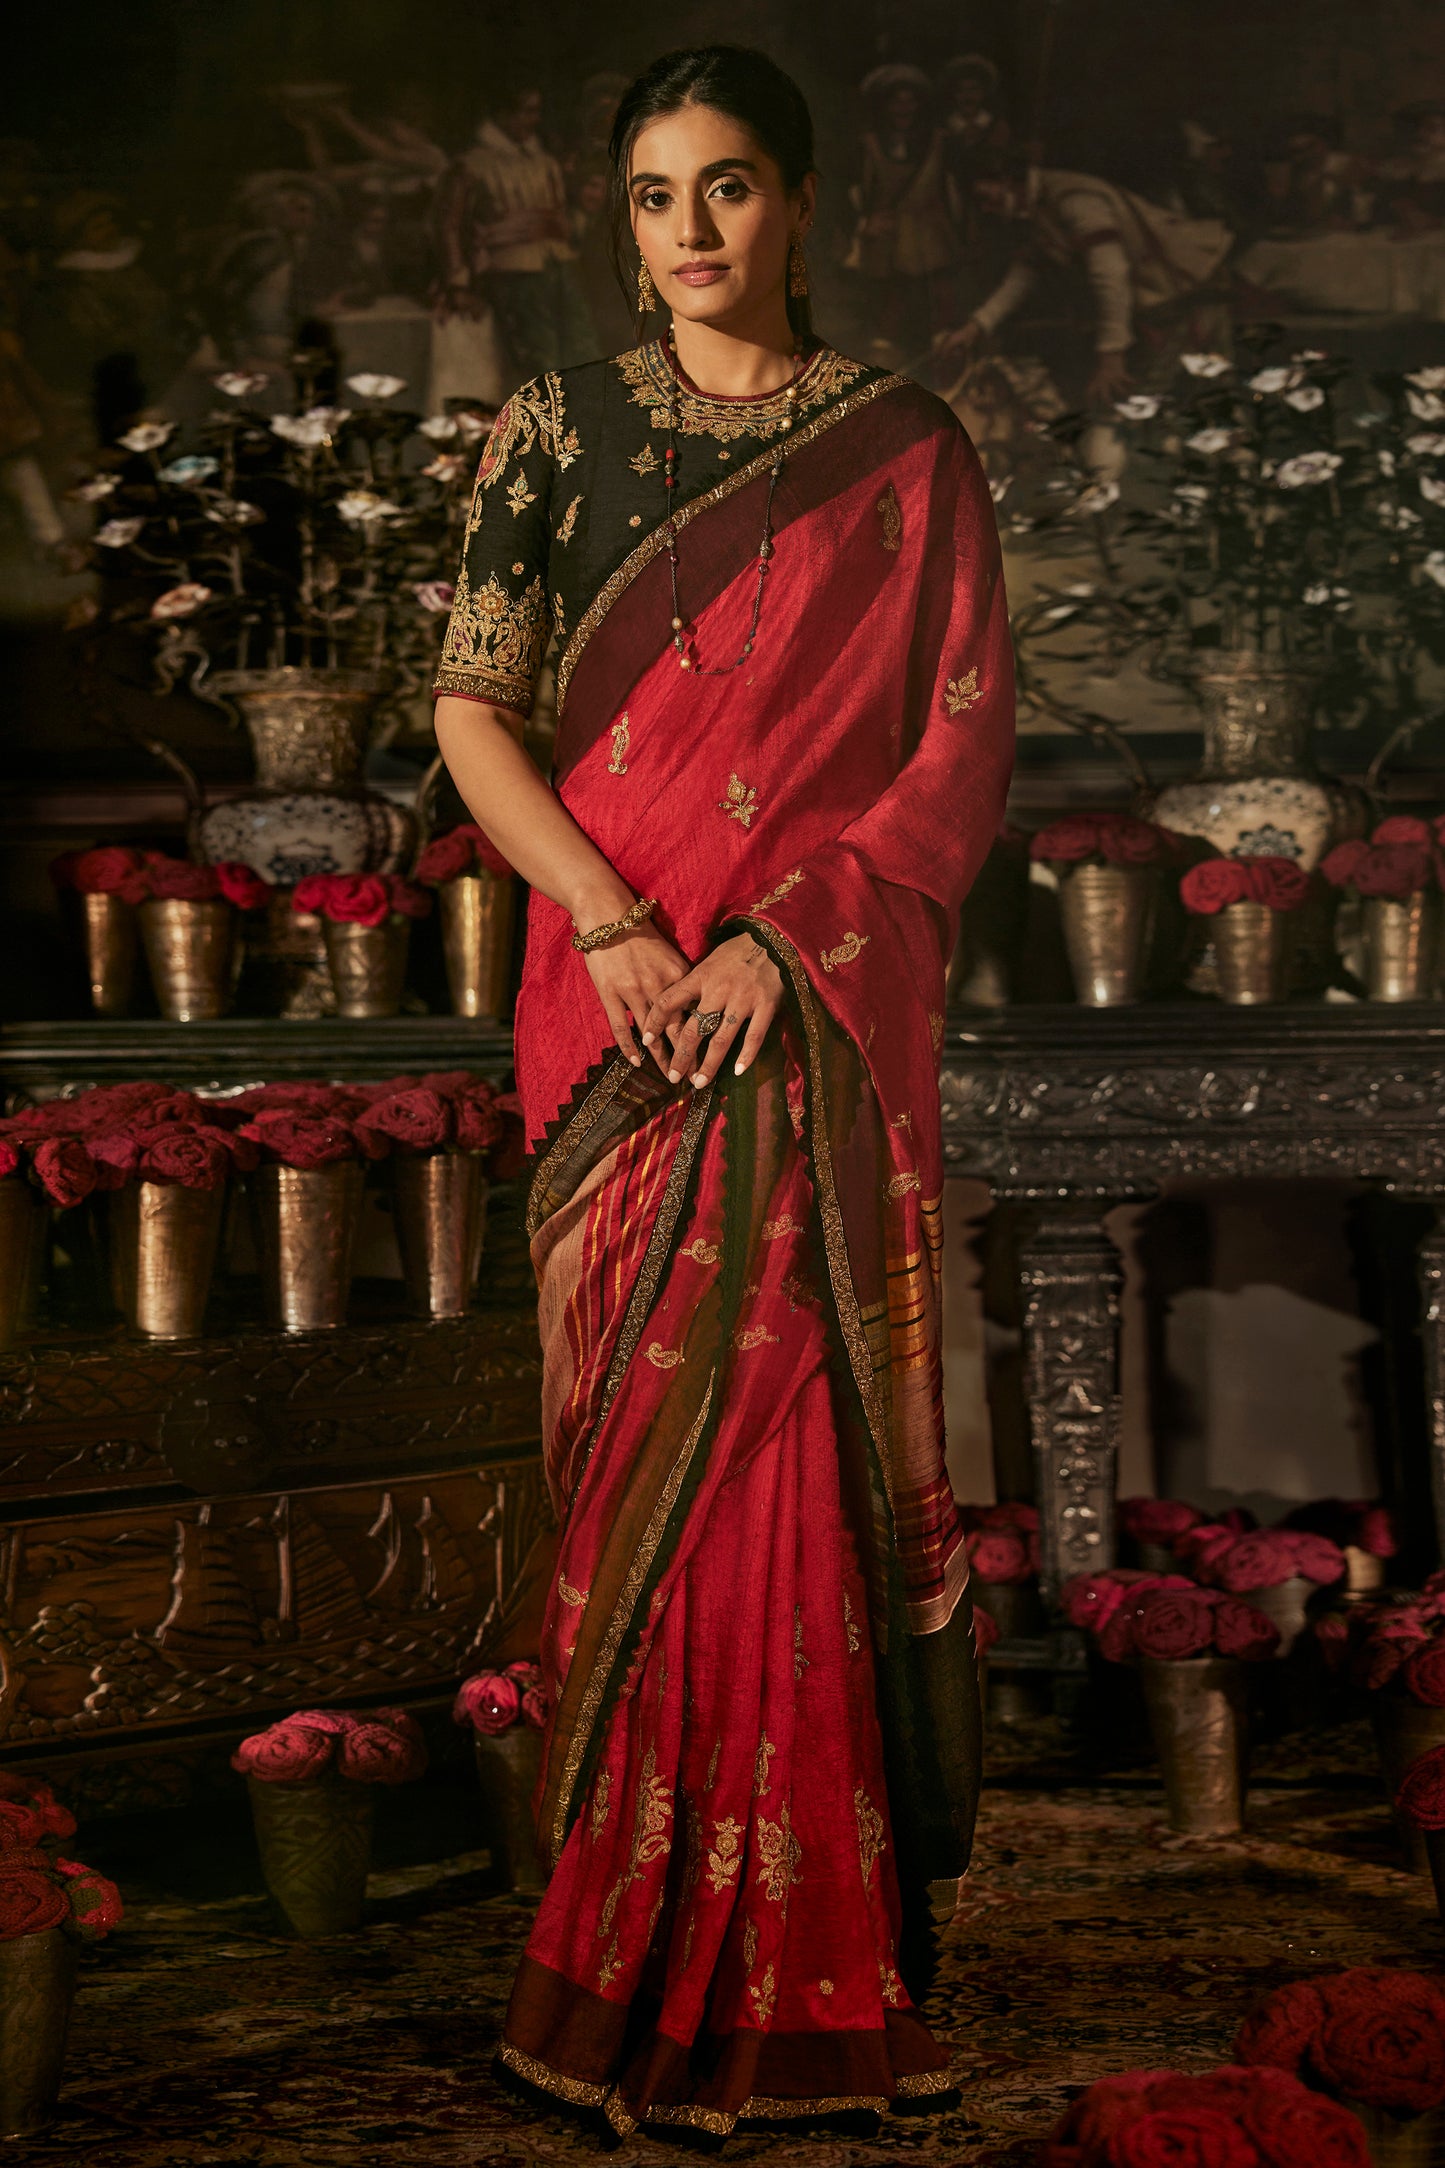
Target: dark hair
(732, 79)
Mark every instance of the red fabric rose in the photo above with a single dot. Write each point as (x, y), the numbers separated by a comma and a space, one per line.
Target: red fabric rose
(999, 1555)
(1125, 841)
(445, 857)
(1182, 2138)
(23, 1823)
(52, 1818)
(1403, 828)
(489, 857)
(309, 894)
(985, 1631)
(1295, 2128)
(1316, 1557)
(288, 1753)
(1157, 1520)
(1102, 2108)
(1213, 885)
(242, 885)
(1421, 1798)
(1424, 1674)
(311, 1099)
(1278, 882)
(191, 1158)
(1385, 2048)
(1115, 1637)
(357, 899)
(111, 1106)
(380, 1753)
(116, 1156)
(64, 1170)
(31, 1897)
(1264, 1559)
(1340, 865)
(180, 880)
(490, 1702)
(1089, 1599)
(1241, 1630)
(109, 871)
(301, 1140)
(407, 899)
(95, 1903)
(419, 1120)
(480, 1122)
(1074, 837)
(1375, 1531)
(1283, 2028)
(1394, 870)
(536, 1708)
(9, 1157)
(1174, 1623)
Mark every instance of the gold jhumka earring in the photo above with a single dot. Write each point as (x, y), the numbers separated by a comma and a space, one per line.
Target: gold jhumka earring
(797, 270)
(646, 291)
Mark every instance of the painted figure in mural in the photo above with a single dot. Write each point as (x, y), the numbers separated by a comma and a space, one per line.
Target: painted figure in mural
(281, 268)
(1412, 184)
(785, 723)
(904, 250)
(506, 239)
(1153, 276)
(1312, 184)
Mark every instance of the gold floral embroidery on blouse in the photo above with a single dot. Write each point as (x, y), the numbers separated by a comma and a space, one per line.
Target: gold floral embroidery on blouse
(644, 462)
(569, 520)
(739, 802)
(963, 692)
(890, 512)
(778, 1855)
(870, 1831)
(494, 641)
(849, 948)
(519, 496)
(648, 375)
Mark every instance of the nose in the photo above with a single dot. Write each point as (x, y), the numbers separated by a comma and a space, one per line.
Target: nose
(695, 227)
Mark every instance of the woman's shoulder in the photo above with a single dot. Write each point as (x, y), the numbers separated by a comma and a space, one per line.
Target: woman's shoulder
(907, 398)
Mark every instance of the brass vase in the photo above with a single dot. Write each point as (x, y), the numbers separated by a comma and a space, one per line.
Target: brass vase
(368, 966)
(163, 1242)
(507, 1771)
(476, 921)
(306, 1233)
(1107, 913)
(1199, 1717)
(286, 969)
(1288, 1605)
(1401, 941)
(1402, 2141)
(189, 947)
(1249, 953)
(37, 1988)
(1404, 1730)
(22, 1255)
(441, 1214)
(314, 1839)
(1364, 1574)
(108, 929)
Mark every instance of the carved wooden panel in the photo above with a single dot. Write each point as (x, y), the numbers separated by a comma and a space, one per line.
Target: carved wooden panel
(122, 1622)
(1071, 1277)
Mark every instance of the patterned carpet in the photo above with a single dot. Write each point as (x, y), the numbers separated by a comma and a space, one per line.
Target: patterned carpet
(1093, 1940)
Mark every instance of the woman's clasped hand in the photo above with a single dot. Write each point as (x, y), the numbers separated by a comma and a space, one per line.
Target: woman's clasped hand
(689, 1018)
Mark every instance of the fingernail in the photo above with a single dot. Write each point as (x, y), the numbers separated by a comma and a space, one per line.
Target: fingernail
(699, 1080)
(635, 1060)
(674, 1076)
(738, 1067)
(647, 1038)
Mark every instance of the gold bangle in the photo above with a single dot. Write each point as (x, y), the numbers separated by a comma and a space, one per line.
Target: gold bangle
(601, 935)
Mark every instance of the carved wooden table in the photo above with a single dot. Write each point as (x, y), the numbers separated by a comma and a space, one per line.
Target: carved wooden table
(1082, 1109)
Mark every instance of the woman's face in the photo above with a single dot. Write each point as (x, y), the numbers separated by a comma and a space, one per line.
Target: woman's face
(712, 217)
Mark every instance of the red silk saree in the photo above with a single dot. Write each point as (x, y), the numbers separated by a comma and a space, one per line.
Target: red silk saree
(762, 1764)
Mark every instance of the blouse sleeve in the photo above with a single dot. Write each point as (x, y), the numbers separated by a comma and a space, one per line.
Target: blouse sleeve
(500, 619)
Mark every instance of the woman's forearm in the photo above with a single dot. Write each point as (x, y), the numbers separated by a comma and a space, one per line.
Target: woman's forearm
(521, 813)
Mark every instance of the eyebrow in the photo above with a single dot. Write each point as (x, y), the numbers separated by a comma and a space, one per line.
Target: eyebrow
(708, 173)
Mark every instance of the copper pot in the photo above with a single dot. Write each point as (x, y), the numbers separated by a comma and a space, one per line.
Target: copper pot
(507, 1770)
(314, 1839)
(1249, 953)
(1404, 1730)
(37, 1988)
(1401, 937)
(307, 1225)
(476, 921)
(163, 1242)
(441, 1216)
(1402, 2141)
(190, 948)
(1107, 915)
(23, 1219)
(368, 965)
(108, 928)
(1199, 1717)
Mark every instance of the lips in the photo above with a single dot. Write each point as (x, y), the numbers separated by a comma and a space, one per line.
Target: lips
(700, 274)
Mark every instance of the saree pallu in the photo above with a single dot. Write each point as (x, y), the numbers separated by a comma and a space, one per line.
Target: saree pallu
(761, 1770)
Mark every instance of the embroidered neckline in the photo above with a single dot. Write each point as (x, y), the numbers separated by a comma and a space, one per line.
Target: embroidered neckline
(649, 375)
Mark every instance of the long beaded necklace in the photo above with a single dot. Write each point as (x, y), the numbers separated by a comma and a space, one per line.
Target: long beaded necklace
(683, 640)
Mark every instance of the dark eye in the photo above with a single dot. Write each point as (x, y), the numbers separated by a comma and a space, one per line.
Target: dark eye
(653, 199)
(729, 188)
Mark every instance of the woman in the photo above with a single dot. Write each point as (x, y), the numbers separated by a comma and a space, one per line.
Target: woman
(785, 715)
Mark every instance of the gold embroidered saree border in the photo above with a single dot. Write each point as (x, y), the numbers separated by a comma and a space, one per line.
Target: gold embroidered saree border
(572, 1136)
(613, 589)
(717, 2122)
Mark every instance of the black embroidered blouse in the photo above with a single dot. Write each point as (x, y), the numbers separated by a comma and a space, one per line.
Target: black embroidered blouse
(571, 485)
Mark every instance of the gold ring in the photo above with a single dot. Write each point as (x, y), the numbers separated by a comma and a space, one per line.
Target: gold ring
(706, 1025)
